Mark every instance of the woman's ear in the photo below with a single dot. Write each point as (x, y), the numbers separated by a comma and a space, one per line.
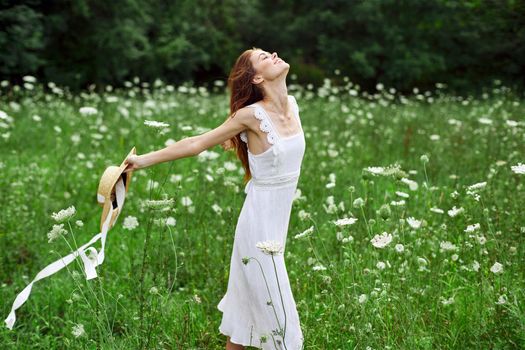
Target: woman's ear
(257, 79)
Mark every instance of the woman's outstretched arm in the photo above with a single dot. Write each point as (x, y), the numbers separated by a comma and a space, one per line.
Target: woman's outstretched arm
(192, 146)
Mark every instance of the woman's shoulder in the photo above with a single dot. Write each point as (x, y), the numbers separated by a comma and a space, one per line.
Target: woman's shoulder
(249, 116)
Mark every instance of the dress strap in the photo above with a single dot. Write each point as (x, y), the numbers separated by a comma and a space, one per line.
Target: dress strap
(265, 125)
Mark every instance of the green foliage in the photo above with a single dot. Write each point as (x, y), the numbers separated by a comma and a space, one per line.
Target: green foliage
(21, 40)
(159, 285)
(401, 44)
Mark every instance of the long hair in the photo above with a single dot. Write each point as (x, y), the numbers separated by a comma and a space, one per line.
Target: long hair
(242, 93)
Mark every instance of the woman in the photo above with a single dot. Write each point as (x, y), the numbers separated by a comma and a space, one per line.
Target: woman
(265, 130)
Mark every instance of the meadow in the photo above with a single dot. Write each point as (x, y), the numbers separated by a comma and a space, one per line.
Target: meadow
(430, 256)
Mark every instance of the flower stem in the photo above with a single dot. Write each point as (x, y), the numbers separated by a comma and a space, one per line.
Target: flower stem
(268, 289)
(282, 301)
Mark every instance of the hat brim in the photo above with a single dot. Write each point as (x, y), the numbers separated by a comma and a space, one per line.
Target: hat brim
(112, 203)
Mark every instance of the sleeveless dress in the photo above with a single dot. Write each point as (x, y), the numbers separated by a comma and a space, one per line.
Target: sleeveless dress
(248, 316)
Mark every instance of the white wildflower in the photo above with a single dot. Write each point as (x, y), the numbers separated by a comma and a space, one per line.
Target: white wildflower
(29, 78)
(304, 215)
(381, 241)
(158, 203)
(455, 211)
(347, 239)
(518, 169)
(56, 232)
(270, 247)
(152, 184)
(305, 233)
(230, 166)
(397, 203)
(496, 268)
(472, 228)
(437, 210)
(399, 248)
(88, 110)
(447, 301)
(362, 298)
(380, 265)
(216, 208)
(208, 155)
(130, 223)
(186, 201)
(176, 178)
(156, 124)
(318, 267)
(501, 300)
(402, 194)
(411, 184)
(447, 246)
(345, 221)
(64, 214)
(171, 221)
(481, 239)
(330, 185)
(477, 186)
(375, 170)
(78, 330)
(297, 196)
(358, 202)
(422, 261)
(415, 224)
(485, 121)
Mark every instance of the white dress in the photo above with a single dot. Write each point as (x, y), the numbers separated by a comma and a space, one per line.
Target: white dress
(247, 317)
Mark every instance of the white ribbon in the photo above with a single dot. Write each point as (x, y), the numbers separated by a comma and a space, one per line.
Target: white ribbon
(89, 265)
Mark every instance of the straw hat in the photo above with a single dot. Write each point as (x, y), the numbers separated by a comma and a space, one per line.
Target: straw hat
(106, 196)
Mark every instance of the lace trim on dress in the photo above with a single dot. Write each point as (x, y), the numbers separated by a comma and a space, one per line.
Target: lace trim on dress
(264, 125)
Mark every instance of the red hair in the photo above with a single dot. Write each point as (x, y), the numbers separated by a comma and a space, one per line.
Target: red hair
(242, 93)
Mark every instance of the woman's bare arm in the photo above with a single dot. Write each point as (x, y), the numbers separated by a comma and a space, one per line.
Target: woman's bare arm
(192, 146)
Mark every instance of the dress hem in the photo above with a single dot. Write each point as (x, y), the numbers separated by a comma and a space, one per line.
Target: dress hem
(235, 341)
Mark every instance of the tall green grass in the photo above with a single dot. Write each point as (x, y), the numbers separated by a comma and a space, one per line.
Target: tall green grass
(159, 285)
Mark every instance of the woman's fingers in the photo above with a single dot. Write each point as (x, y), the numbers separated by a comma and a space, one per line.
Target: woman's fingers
(133, 163)
(130, 164)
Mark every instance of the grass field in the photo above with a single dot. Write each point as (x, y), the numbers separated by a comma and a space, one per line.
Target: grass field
(438, 174)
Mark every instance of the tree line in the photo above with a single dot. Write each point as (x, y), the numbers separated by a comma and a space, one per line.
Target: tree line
(399, 43)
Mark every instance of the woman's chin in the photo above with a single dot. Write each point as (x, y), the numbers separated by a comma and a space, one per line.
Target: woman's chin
(284, 66)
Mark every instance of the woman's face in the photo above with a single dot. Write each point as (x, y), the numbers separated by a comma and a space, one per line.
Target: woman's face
(268, 66)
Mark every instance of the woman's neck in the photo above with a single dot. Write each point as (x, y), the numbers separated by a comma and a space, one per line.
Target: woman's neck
(276, 97)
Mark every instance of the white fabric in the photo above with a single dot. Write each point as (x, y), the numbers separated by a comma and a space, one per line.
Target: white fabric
(264, 216)
(100, 198)
(89, 265)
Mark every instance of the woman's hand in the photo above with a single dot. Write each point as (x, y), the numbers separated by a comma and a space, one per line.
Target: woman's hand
(134, 162)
